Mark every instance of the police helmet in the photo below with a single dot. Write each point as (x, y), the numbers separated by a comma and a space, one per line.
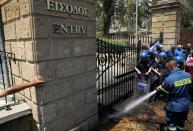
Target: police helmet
(167, 51)
(179, 59)
(159, 46)
(151, 52)
(144, 55)
(162, 54)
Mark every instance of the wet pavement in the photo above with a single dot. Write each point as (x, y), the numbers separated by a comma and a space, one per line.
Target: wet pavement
(149, 116)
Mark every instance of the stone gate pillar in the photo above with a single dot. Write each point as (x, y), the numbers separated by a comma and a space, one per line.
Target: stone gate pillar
(166, 17)
(54, 39)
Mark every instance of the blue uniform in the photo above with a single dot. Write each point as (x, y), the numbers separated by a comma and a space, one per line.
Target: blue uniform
(154, 78)
(178, 84)
(170, 54)
(143, 67)
(179, 52)
(161, 65)
(153, 63)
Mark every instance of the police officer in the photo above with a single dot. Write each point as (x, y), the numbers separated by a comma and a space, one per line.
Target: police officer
(142, 67)
(153, 64)
(162, 60)
(159, 48)
(172, 49)
(169, 53)
(162, 57)
(152, 58)
(180, 62)
(179, 51)
(178, 86)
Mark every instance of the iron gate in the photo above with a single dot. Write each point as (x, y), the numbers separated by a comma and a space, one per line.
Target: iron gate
(115, 70)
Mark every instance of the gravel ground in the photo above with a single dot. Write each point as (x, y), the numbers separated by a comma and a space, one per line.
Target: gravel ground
(148, 118)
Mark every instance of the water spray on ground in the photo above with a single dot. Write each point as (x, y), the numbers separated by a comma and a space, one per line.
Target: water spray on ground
(133, 104)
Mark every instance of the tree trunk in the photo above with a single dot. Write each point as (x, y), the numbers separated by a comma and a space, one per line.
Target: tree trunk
(109, 12)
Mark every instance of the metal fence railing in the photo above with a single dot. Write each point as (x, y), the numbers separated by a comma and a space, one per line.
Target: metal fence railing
(6, 76)
(115, 70)
(131, 38)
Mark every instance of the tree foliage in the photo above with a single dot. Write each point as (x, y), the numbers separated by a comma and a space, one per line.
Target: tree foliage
(121, 13)
(115, 14)
(99, 15)
(187, 17)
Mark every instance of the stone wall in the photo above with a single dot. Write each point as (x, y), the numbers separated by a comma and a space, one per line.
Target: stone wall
(19, 39)
(166, 17)
(36, 31)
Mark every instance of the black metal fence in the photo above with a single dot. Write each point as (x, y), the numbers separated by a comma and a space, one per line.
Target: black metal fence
(6, 76)
(131, 38)
(115, 70)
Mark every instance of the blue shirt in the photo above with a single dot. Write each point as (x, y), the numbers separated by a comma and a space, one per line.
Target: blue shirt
(178, 84)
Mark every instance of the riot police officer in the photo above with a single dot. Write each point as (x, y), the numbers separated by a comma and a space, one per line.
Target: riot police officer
(143, 69)
(179, 51)
(180, 62)
(152, 58)
(162, 71)
(142, 66)
(153, 64)
(162, 56)
(169, 53)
